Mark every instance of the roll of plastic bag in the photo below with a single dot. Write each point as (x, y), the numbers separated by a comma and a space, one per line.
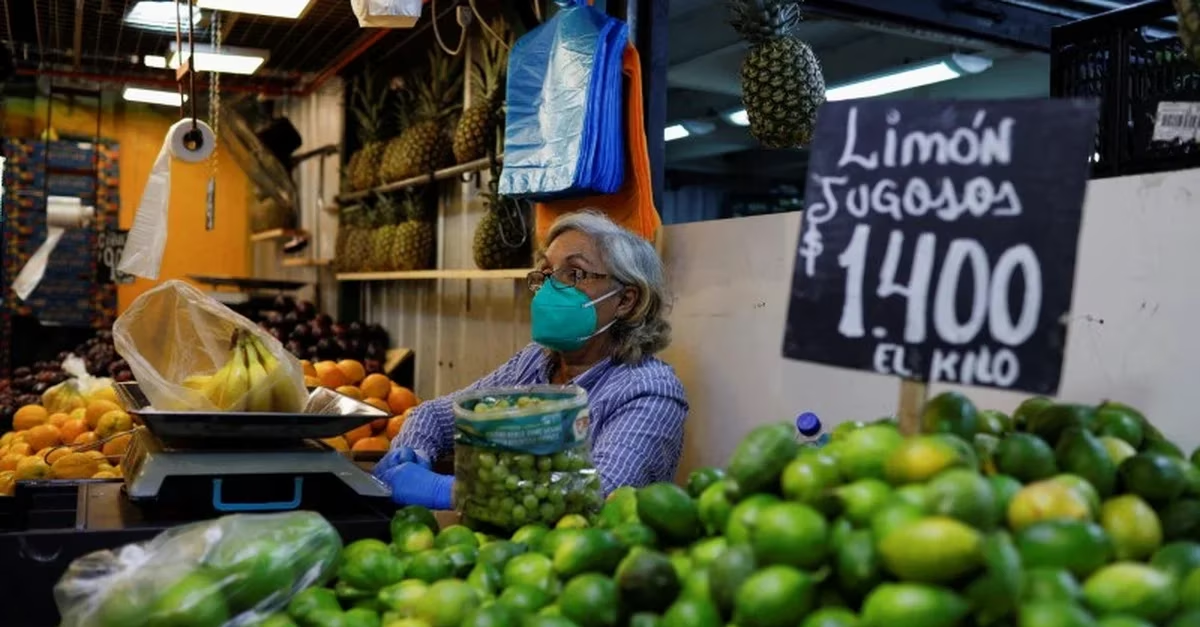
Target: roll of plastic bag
(552, 73)
(62, 213)
(190, 141)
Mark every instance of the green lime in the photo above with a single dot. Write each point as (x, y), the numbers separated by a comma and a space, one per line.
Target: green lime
(866, 450)
(402, 597)
(1161, 446)
(759, 459)
(550, 610)
(589, 550)
(371, 570)
(619, 507)
(1047, 500)
(706, 551)
(530, 569)
(1083, 488)
(1189, 590)
(1081, 453)
(727, 573)
(745, 515)
(1054, 614)
(861, 499)
(892, 516)
(646, 581)
(857, 564)
(1025, 457)
(523, 599)
(714, 507)
(631, 534)
(590, 600)
(1121, 422)
(670, 512)
(417, 514)
(831, 617)
(644, 619)
(447, 602)
(692, 612)
(1078, 546)
(498, 553)
(1177, 559)
(572, 521)
(950, 412)
(1118, 450)
(455, 535)
(913, 605)
(351, 551)
(985, 449)
(696, 585)
(1133, 526)
(918, 459)
(1181, 519)
(776, 596)
(913, 494)
(1004, 488)
(699, 480)
(491, 616)
(430, 566)
(307, 602)
(1190, 618)
(994, 422)
(1131, 588)
(1050, 423)
(1050, 584)
(966, 496)
(1027, 408)
(936, 549)
(791, 534)
(809, 479)
(253, 571)
(462, 559)
(548, 620)
(486, 579)
(530, 535)
(1118, 620)
(195, 599)
(1154, 477)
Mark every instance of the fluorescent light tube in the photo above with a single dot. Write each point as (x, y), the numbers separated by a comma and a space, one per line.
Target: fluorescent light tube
(674, 132)
(230, 60)
(738, 118)
(160, 15)
(154, 96)
(290, 9)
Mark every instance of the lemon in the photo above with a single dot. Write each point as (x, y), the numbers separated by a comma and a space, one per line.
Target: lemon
(937, 549)
(1134, 527)
(1133, 589)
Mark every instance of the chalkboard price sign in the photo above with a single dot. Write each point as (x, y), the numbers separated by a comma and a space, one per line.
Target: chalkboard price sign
(110, 244)
(939, 238)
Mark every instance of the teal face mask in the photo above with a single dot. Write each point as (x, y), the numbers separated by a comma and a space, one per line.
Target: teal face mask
(563, 318)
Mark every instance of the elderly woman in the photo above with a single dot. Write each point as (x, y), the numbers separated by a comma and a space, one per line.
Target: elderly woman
(597, 321)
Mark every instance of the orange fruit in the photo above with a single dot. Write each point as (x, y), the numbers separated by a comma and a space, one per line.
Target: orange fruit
(79, 414)
(9, 461)
(56, 453)
(21, 448)
(354, 435)
(42, 437)
(373, 443)
(378, 404)
(307, 367)
(85, 438)
(337, 444)
(7, 438)
(116, 446)
(394, 424)
(31, 468)
(29, 417)
(353, 370)
(96, 409)
(378, 425)
(400, 399)
(75, 466)
(376, 386)
(8, 483)
(351, 391)
(112, 423)
(58, 420)
(311, 382)
(330, 375)
(72, 429)
(107, 393)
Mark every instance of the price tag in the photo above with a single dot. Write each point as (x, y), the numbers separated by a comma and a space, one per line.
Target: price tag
(939, 238)
(1177, 122)
(110, 244)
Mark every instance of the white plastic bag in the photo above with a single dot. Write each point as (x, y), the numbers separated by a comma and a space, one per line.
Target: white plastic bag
(76, 391)
(234, 570)
(386, 13)
(175, 331)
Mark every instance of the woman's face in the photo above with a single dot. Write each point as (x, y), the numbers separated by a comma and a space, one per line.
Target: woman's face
(574, 250)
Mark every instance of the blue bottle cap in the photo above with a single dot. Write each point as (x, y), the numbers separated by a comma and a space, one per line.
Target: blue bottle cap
(808, 424)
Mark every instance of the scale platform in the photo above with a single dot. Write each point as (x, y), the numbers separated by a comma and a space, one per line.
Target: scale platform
(241, 476)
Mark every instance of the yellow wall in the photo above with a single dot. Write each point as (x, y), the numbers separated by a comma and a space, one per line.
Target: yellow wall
(140, 130)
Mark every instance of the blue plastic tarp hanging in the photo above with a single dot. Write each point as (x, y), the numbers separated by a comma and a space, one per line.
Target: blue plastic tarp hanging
(564, 131)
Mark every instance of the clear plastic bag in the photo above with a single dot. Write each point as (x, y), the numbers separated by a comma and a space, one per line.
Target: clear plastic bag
(231, 571)
(523, 455)
(386, 13)
(174, 333)
(76, 391)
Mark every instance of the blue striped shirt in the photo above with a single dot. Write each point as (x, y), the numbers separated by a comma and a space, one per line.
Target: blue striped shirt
(637, 415)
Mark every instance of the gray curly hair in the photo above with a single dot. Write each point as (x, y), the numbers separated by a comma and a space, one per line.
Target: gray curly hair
(633, 262)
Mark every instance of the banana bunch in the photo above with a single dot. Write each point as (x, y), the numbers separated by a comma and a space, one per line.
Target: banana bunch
(252, 380)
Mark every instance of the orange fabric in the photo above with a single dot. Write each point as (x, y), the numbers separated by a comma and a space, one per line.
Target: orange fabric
(632, 206)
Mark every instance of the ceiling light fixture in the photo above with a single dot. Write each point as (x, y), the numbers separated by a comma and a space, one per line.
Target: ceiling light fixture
(290, 9)
(674, 132)
(231, 60)
(154, 96)
(895, 80)
(160, 15)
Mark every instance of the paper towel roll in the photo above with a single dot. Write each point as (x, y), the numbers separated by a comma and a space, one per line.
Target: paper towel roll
(62, 213)
(188, 141)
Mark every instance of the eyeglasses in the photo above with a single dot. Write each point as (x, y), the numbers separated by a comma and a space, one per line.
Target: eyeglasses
(565, 277)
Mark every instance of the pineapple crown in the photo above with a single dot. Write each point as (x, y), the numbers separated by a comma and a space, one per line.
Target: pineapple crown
(439, 96)
(369, 99)
(759, 21)
(492, 64)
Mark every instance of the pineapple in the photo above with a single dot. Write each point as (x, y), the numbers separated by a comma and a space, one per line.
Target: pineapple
(391, 162)
(502, 237)
(357, 247)
(426, 143)
(387, 218)
(476, 131)
(782, 84)
(368, 102)
(1189, 27)
(414, 243)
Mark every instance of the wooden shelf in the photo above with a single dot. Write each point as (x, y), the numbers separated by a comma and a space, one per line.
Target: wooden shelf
(303, 262)
(424, 179)
(273, 234)
(429, 275)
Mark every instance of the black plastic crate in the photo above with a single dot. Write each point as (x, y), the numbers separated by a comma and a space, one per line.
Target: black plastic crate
(1132, 60)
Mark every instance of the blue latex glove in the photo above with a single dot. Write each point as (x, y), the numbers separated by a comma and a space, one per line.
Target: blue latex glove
(398, 455)
(414, 484)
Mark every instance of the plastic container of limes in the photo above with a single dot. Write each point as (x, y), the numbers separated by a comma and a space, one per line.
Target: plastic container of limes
(522, 455)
